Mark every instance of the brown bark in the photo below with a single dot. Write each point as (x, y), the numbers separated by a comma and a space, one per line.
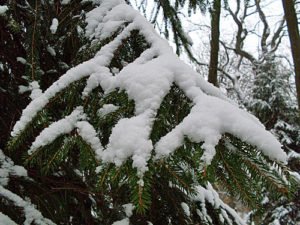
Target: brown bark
(214, 43)
(293, 30)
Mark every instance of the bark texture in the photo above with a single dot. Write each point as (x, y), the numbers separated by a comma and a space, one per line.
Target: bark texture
(214, 43)
(293, 30)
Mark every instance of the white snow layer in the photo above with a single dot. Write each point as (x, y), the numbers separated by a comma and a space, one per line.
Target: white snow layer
(65, 126)
(5, 220)
(51, 51)
(7, 168)
(30, 212)
(35, 90)
(106, 109)
(34, 87)
(3, 9)
(122, 222)
(54, 25)
(21, 60)
(88, 133)
(210, 195)
(128, 208)
(186, 209)
(147, 80)
(65, 2)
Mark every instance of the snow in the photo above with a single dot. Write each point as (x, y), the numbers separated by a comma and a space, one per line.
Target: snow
(34, 87)
(8, 168)
(5, 220)
(35, 90)
(122, 222)
(88, 133)
(95, 2)
(3, 9)
(211, 118)
(94, 17)
(23, 89)
(53, 27)
(130, 138)
(35, 106)
(186, 209)
(106, 109)
(295, 175)
(51, 50)
(21, 60)
(63, 126)
(31, 214)
(210, 195)
(128, 208)
(292, 154)
(279, 212)
(275, 222)
(147, 80)
(65, 2)
(265, 200)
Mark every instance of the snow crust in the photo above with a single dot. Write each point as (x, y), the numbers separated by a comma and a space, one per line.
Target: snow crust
(147, 80)
(54, 25)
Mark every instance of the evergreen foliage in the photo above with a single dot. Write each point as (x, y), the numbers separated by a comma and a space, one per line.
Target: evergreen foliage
(67, 180)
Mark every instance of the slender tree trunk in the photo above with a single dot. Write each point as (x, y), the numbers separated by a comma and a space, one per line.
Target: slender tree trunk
(214, 43)
(291, 20)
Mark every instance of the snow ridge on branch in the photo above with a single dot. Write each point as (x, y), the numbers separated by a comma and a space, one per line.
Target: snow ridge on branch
(147, 80)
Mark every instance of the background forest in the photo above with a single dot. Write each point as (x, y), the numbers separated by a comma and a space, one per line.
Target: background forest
(71, 158)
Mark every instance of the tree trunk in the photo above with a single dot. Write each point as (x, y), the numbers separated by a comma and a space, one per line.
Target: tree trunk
(214, 43)
(291, 20)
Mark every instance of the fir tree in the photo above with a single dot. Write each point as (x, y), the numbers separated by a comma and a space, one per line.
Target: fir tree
(131, 135)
